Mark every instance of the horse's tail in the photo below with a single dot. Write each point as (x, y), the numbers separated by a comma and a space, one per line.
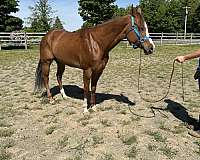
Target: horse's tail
(39, 82)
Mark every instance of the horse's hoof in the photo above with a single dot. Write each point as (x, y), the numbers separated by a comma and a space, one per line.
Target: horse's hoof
(64, 97)
(85, 111)
(52, 101)
(94, 108)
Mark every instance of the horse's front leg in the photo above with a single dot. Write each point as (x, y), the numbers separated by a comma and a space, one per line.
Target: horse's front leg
(86, 80)
(95, 77)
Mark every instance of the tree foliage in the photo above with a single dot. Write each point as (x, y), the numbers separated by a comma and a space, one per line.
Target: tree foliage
(169, 15)
(42, 16)
(94, 12)
(8, 22)
(57, 24)
(120, 11)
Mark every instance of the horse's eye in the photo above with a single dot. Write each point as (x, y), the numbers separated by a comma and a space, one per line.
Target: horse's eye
(142, 29)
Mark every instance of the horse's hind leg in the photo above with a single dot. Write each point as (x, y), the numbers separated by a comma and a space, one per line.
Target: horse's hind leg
(86, 80)
(45, 72)
(95, 77)
(60, 70)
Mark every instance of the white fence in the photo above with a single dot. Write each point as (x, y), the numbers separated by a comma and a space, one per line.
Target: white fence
(25, 39)
(175, 38)
(19, 39)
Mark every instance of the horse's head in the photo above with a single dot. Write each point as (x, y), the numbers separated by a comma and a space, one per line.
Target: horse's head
(137, 34)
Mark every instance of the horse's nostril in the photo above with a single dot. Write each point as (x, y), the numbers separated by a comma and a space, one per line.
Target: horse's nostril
(151, 50)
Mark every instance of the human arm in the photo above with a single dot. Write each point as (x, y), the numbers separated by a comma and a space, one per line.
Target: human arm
(192, 55)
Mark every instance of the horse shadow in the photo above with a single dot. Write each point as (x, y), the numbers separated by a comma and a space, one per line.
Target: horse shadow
(180, 112)
(76, 92)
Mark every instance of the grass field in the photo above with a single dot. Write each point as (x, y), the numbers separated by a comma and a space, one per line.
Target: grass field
(31, 129)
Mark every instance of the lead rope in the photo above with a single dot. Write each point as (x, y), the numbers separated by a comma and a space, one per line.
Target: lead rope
(169, 86)
(155, 101)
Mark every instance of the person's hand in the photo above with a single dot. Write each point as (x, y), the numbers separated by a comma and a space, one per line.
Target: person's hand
(180, 59)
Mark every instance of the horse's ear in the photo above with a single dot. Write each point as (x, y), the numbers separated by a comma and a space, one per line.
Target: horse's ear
(139, 10)
(133, 10)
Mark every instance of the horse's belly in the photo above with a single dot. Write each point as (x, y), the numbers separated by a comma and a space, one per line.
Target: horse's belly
(69, 61)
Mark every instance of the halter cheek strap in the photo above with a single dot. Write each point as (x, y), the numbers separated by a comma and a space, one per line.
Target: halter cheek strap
(135, 29)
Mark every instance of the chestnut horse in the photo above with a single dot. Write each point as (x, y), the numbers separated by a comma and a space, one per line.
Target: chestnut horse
(88, 49)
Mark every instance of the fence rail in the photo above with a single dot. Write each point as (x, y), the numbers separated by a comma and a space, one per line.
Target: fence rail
(175, 38)
(19, 39)
(26, 39)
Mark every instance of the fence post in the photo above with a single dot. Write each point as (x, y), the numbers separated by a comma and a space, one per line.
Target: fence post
(25, 40)
(176, 37)
(191, 36)
(161, 39)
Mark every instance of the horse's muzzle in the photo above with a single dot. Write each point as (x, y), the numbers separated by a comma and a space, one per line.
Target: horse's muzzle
(148, 49)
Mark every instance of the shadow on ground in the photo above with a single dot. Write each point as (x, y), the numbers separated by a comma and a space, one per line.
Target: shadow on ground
(76, 92)
(180, 112)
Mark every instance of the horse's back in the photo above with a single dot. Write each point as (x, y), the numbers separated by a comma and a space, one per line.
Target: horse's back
(46, 45)
(66, 47)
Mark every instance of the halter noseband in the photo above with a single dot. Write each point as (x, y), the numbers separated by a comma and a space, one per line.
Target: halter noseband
(135, 29)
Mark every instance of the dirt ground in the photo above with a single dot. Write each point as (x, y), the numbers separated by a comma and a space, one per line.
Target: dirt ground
(33, 129)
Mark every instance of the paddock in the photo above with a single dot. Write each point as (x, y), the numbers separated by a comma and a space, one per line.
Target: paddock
(31, 128)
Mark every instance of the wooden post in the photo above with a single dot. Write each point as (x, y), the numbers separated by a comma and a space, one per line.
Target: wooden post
(191, 38)
(25, 40)
(176, 37)
(161, 39)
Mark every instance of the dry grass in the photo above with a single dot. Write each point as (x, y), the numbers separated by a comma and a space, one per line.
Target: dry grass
(31, 128)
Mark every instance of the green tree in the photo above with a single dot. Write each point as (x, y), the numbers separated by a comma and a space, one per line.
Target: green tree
(94, 12)
(57, 24)
(8, 22)
(163, 15)
(196, 20)
(42, 16)
(192, 13)
(120, 11)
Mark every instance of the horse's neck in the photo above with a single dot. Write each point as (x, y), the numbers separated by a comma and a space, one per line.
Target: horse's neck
(111, 33)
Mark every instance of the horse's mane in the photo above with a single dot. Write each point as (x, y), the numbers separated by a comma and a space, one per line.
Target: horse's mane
(102, 24)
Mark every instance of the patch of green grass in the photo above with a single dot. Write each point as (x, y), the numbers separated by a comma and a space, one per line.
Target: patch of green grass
(84, 120)
(123, 112)
(125, 122)
(70, 111)
(3, 123)
(179, 129)
(97, 140)
(198, 152)
(152, 147)
(50, 130)
(62, 143)
(163, 126)
(85, 117)
(6, 132)
(106, 156)
(8, 110)
(197, 143)
(105, 122)
(135, 119)
(157, 136)
(132, 152)
(129, 140)
(7, 143)
(106, 108)
(168, 152)
(4, 155)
